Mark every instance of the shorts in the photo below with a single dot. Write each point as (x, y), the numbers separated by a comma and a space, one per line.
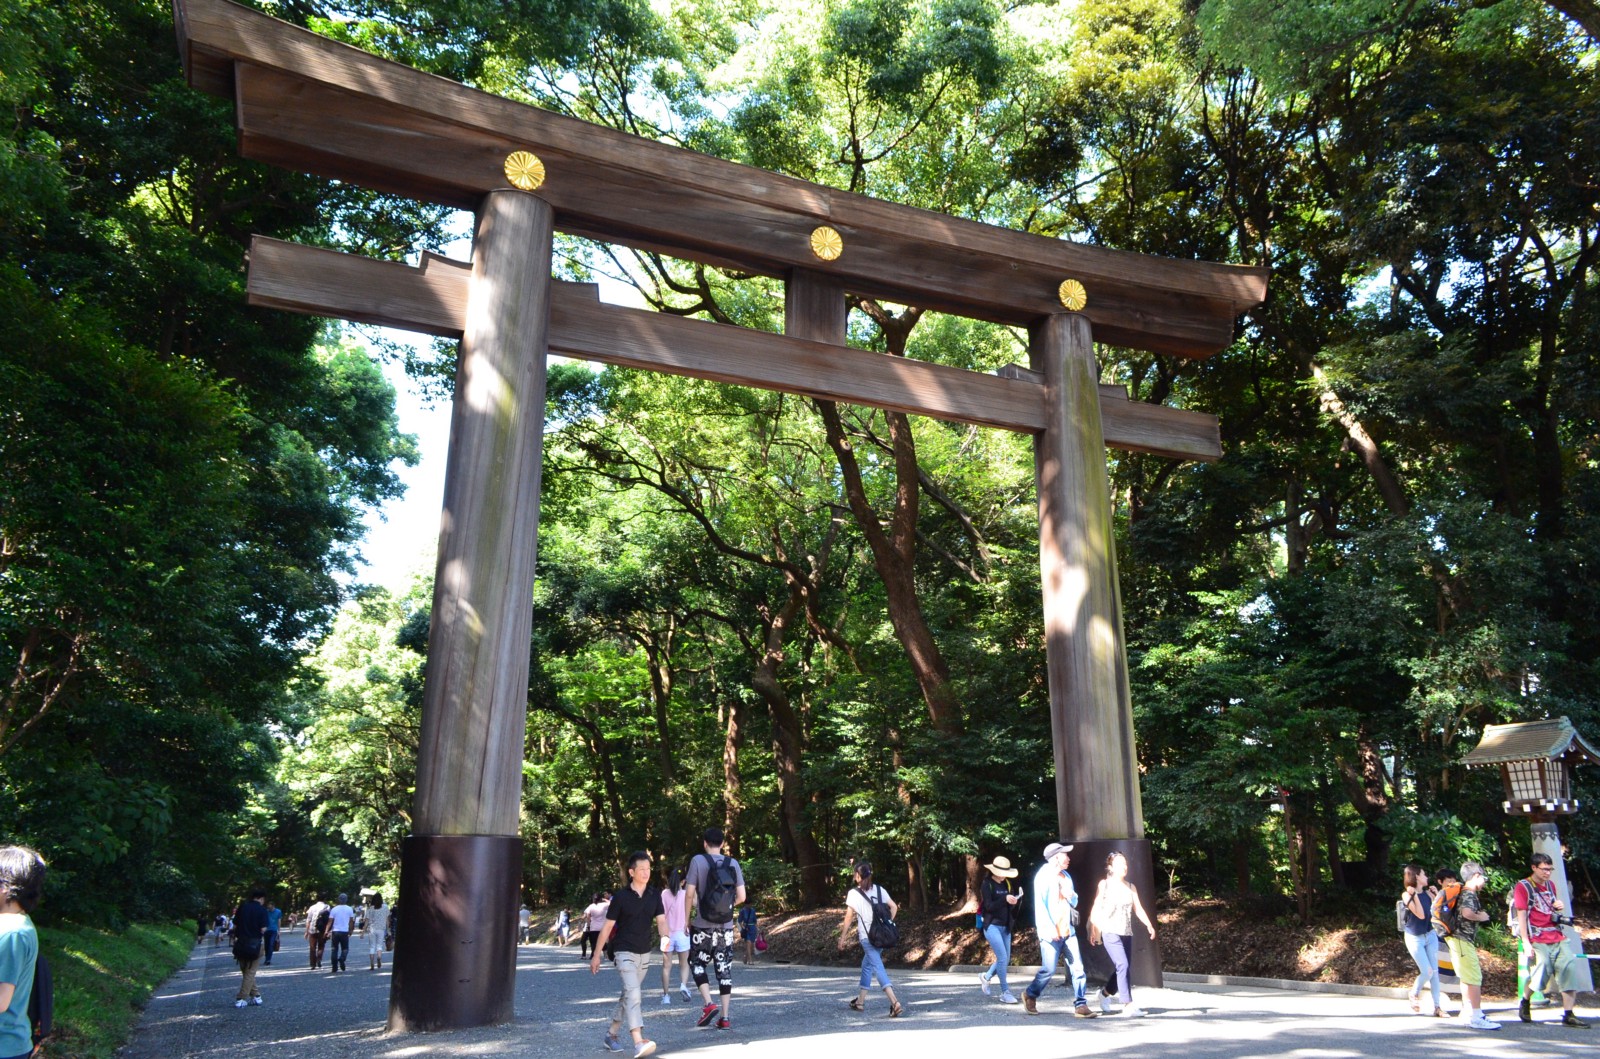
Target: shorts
(677, 942)
(1464, 955)
(1555, 961)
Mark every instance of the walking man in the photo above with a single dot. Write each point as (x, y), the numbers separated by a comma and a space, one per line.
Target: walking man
(715, 888)
(249, 936)
(1055, 920)
(1463, 942)
(628, 920)
(269, 939)
(340, 917)
(316, 931)
(1539, 926)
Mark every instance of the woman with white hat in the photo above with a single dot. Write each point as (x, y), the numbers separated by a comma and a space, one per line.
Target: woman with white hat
(998, 898)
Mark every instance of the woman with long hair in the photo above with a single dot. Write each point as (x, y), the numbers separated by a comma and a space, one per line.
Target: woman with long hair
(676, 940)
(998, 897)
(1116, 904)
(1421, 942)
(858, 910)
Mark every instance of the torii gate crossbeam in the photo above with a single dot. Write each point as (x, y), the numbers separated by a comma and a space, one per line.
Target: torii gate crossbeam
(310, 104)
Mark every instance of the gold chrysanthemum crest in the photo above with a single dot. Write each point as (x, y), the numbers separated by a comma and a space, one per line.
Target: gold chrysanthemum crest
(524, 170)
(1072, 294)
(826, 243)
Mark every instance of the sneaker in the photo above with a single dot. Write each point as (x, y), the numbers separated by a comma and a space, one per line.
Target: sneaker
(1478, 1022)
(1133, 1011)
(240, 1003)
(1569, 1019)
(666, 1000)
(983, 982)
(1525, 1010)
(707, 1013)
(1082, 1011)
(1105, 1004)
(256, 1001)
(1007, 998)
(723, 1024)
(612, 1043)
(1030, 1003)
(685, 991)
(644, 1048)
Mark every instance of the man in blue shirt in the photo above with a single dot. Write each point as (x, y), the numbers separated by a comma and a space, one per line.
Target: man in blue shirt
(21, 885)
(1055, 921)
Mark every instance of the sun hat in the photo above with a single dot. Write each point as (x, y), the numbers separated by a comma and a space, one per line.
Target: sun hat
(1002, 867)
(1057, 847)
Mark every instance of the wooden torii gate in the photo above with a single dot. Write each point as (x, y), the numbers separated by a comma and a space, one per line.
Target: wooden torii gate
(307, 103)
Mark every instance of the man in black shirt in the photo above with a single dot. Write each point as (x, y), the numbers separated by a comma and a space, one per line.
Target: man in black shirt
(627, 927)
(249, 929)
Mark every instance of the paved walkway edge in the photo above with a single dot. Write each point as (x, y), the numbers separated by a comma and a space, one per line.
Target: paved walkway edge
(1179, 978)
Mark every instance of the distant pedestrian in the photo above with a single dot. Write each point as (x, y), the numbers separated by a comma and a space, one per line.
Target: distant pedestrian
(22, 874)
(1421, 941)
(715, 889)
(1538, 909)
(675, 941)
(627, 927)
(269, 940)
(249, 936)
(563, 928)
(997, 901)
(377, 931)
(858, 911)
(316, 931)
(1116, 903)
(340, 918)
(1055, 921)
(1464, 949)
(748, 932)
(594, 918)
(524, 924)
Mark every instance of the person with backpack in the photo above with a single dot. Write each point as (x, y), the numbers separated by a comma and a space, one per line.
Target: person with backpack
(1416, 911)
(748, 932)
(873, 912)
(316, 931)
(1055, 921)
(1459, 915)
(715, 888)
(21, 885)
(997, 899)
(1538, 909)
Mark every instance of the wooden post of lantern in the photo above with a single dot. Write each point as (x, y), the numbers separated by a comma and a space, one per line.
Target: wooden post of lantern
(1534, 758)
(461, 869)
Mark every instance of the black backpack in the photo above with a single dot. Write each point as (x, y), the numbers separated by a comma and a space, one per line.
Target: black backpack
(41, 1002)
(721, 892)
(883, 933)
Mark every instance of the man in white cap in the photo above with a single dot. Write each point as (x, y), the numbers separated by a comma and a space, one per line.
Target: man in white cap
(1055, 921)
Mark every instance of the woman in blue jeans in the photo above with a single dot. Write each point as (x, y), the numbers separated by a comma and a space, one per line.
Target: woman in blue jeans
(858, 909)
(1421, 942)
(998, 897)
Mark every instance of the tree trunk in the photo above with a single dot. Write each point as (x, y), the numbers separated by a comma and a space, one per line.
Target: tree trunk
(732, 798)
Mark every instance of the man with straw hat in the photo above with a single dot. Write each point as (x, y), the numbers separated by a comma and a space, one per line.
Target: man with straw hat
(998, 897)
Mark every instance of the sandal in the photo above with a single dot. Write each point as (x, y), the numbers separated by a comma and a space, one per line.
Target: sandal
(895, 1009)
(856, 1004)
(1416, 1003)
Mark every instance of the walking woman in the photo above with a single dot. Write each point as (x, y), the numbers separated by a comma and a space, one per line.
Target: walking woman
(858, 910)
(998, 897)
(629, 915)
(1116, 904)
(1421, 942)
(594, 919)
(675, 939)
(377, 930)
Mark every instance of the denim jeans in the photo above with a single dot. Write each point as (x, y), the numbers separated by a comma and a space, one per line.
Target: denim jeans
(999, 939)
(631, 967)
(1051, 953)
(269, 938)
(872, 964)
(1117, 946)
(340, 946)
(1424, 950)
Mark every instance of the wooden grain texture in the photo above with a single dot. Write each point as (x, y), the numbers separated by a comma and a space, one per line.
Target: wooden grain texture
(309, 103)
(469, 763)
(1091, 714)
(432, 298)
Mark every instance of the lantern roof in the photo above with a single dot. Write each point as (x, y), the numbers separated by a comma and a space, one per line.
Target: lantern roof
(1532, 741)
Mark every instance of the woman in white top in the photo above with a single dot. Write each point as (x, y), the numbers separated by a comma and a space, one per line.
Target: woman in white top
(858, 909)
(1116, 904)
(377, 927)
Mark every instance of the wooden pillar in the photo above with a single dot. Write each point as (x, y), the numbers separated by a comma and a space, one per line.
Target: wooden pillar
(455, 954)
(1091, 715)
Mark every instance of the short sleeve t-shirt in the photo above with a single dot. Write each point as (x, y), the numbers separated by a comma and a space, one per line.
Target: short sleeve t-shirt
(857, 902)
(699, 875)
(1467, 929)
(339, 919)
(19, 952)
(595, 916)
(674, 906)
(274, 918)
(1539, 901)
(633, 913)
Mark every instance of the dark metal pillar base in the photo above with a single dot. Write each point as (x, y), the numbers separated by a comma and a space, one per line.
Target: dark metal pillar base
(455, 949)
(1087, 869)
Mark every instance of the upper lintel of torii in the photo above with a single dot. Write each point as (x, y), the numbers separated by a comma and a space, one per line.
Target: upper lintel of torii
(307, 103)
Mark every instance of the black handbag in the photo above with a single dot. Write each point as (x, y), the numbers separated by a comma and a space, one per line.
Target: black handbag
(246, 949)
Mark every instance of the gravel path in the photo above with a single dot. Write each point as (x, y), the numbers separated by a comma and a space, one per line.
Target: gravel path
(795, 1012)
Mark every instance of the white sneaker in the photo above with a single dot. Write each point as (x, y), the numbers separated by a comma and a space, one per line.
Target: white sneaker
(1105, 1004)
(256, 1001)
(685, 991)
(1007, 998)
(1133, 1011)
(240, 1003)
(666, 1000)
(1479, 1022)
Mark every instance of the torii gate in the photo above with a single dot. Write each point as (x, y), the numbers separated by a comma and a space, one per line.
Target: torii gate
(310, 104)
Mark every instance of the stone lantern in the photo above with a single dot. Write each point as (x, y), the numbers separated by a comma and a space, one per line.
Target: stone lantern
(1535, 759)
